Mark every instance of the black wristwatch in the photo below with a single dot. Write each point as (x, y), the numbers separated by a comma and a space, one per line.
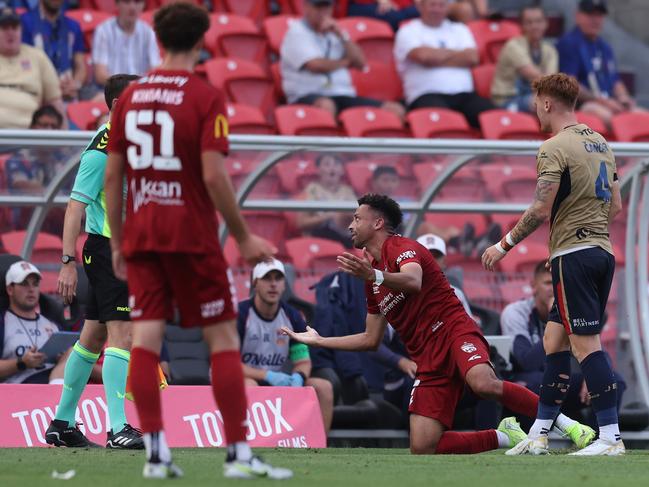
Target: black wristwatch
(66, 259)
(20, 364)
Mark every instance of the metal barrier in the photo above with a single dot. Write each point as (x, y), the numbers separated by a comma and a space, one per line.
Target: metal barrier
(634, 184)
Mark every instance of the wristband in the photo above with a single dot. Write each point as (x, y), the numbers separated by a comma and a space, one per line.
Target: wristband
(378, 277)
(509, 239)
(500, 248)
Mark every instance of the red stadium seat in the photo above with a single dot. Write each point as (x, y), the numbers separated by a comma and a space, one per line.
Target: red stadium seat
(275, 28)
(232, 255)
(241, 280)
(246, 119)
(372, 122)
(507, 182)
(101, 5)
(378, 80)
(47, 248)
(491, 36)
(359, 175)
(305, 120)
(595, 123)
(631, 127)
(243, 82)
(375, 37)
(236, 37)
(483, 76)
(239, 166)
(465, 185)
(524, 257)
(295, 173)
(458, 220)
(314, 253)
(439, 123)
(255, 9)
(269, 225)
(84, 114)
(505, 125)
(89, 20)
(515, 290)
(303, 283)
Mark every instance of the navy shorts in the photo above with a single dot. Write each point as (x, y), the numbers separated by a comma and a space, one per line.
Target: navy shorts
(582, 281)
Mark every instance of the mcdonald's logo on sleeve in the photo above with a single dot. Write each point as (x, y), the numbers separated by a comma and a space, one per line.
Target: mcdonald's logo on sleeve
(221, 127)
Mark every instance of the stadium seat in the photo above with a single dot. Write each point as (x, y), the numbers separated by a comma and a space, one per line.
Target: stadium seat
(255, 9)
(188, 356)
(507, 182)
(246, 119)
(47, 249)
(378, 80)
(631, 127)
(243, 82)
(89, 20)
(239, 166)
(595, 123)
(439, 123)
(375, 37)
(268, 224)
(305, 120)
(296, 172)
(524, 257)
(314, 253)
(84, 114)
(372, 122)
(491, 36)
(232, 254)
(236, 37)
(458, 220)
(276, 75)
(303, 283)
(241, 280)
(516, 290)
(505, 125)
(359, 175)
(480, 291)
(465, 185)
(483, 76)
(101, 5)
(275, 28)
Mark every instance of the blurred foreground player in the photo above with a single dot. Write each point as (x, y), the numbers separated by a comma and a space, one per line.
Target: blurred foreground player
(170, 136)
(578, 190)
(405, 286)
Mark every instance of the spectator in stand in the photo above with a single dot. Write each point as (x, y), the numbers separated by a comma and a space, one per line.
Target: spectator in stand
(525, 321)
(589, 58)
(48, 28)
(328, 187)
(391, 11)
(315, 59)
(522, 60)
(124, 44)
(23, 331)
(434, 58)
(28, 79)
(269, 357)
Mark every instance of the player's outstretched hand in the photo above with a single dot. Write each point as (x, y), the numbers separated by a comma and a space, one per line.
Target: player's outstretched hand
(491, 257)
(255, 249)
(309, 337)
(119, 265)
(357, 266)
(67, 283)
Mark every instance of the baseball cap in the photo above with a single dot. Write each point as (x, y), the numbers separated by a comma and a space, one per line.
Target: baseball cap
(7, 14)
(264, 268)
(433, 242)
(19, 271)
(590, 6)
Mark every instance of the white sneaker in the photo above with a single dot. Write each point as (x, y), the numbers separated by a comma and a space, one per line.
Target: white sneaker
(531, 446)
(253, 469)
(161, 471)
(602, 447)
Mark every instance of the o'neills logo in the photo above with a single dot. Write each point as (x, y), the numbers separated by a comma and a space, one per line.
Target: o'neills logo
(167, 193)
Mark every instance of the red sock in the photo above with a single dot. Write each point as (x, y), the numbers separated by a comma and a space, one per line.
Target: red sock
(463, 443)
(519, 399)
(230, 394)
(146, 390)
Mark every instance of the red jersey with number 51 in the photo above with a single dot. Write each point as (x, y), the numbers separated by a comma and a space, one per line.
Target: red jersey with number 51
(161, 125)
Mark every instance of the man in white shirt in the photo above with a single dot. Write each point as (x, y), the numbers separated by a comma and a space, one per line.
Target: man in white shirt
(434, 57)
(315, 59)
(124, 44)
(23, 331)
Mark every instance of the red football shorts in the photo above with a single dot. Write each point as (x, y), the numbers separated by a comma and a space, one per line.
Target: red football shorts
(200, 285)
(436, 395)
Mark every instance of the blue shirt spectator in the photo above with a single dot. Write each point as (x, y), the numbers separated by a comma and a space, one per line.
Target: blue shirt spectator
(47, 28)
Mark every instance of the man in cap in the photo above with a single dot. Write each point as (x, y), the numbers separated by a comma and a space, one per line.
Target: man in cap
(270, 357)
(23, 331)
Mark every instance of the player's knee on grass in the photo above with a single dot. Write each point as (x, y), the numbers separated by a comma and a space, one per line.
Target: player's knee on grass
(425, 434)
(93, 336)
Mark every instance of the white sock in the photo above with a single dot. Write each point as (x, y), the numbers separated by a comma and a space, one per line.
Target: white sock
(563, 422)
(242, 451)
(610, 433)
(540, 427)
(156, 446)
(503, 439)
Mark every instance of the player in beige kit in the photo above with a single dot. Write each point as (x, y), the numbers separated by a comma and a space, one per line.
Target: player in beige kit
(578, 191)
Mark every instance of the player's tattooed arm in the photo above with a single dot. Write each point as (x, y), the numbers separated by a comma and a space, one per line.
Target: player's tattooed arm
(538, 212)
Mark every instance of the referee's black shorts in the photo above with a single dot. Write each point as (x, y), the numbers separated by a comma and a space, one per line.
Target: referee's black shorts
(582, 281)
(107, 295)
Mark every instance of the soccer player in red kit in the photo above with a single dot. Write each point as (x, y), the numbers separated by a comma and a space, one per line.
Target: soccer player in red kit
(169, 136)
(406, 287)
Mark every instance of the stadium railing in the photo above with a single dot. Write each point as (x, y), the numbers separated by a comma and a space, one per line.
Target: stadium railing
(448, 159)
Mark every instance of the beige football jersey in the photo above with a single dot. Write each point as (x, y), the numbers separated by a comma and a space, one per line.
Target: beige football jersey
(581, 161)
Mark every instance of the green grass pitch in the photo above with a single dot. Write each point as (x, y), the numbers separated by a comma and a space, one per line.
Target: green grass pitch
(331, 467)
